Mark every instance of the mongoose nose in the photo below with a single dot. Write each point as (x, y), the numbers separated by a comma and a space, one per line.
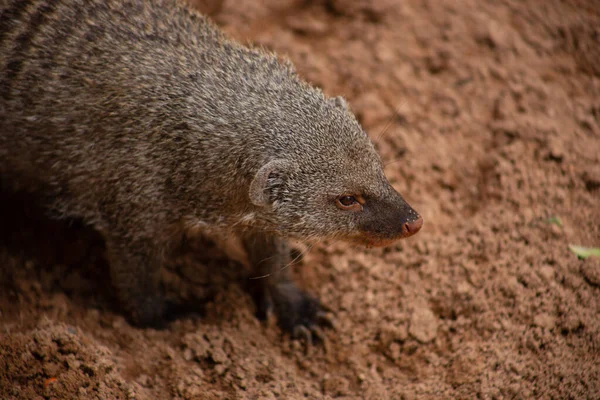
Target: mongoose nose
(412, 227)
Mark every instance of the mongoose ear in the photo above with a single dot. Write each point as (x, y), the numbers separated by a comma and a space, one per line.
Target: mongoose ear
(339, 102)
(260, 187)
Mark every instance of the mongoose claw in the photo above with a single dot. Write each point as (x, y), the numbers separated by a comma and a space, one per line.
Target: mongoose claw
(309, 336)
(303, 333)
(326, 319)
(318, 334)
(300, 314)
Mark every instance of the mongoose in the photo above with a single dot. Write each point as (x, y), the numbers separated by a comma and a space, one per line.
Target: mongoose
(145, 121)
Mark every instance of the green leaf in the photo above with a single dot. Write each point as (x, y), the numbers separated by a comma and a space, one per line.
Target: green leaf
(554, 221)
(585, 252)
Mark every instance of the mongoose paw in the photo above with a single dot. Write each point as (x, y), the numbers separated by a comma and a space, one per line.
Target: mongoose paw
(177, 310)
(299, 314)
(158, 313)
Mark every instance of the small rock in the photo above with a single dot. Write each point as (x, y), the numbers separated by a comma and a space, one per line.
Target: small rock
(144, 381)
(220, 369)
(373, 313)
(464, 288)
(591, 178)
(571, 323)
(590, 269)
(544, 320)
(556, 231)
(438, 62)
(555, 152)
(391, 333)
(130, 393)
(336, 386)
(423, 325)
(180, 387)
(266, 394)
(307, 26)
(510, 286)
(547, 272)
(395, 351)
(51, 369)
(73, 364)
(340, 263)
(499, 34)
(219, 356)
(494, 35)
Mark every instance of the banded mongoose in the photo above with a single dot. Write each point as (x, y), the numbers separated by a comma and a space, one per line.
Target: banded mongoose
(142, 119)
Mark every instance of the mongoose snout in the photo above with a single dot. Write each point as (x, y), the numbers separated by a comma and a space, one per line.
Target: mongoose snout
(142, 119)
(412, 227)
(388, 220)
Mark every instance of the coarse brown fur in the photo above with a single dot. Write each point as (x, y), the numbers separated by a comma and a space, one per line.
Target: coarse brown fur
(144, 120)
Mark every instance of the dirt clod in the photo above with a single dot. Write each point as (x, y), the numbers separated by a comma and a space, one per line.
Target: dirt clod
(590, 269)
(423, 325)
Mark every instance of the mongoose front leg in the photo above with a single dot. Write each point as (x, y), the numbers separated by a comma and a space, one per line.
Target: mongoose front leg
(135, 266)
(296, 311)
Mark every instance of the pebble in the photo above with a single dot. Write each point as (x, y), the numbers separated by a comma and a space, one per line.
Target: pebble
(307, 26)
(547, 272)
(590, 269)
(544, 320)
(188, 354)
(464, 288)
(423, 325)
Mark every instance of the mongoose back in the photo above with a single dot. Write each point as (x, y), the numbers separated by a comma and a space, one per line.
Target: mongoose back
(142, 119)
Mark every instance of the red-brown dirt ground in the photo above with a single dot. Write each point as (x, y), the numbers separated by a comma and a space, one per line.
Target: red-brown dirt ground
(494, 133)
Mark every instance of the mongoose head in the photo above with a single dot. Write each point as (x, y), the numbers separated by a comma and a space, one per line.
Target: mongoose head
(327, 182)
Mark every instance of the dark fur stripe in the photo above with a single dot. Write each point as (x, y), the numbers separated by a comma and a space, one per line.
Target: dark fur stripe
(22, 44)
(64, 32)
(53, 46)
(10, 16)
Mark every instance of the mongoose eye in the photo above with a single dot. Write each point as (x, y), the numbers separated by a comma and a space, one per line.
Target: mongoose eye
(349, 203)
